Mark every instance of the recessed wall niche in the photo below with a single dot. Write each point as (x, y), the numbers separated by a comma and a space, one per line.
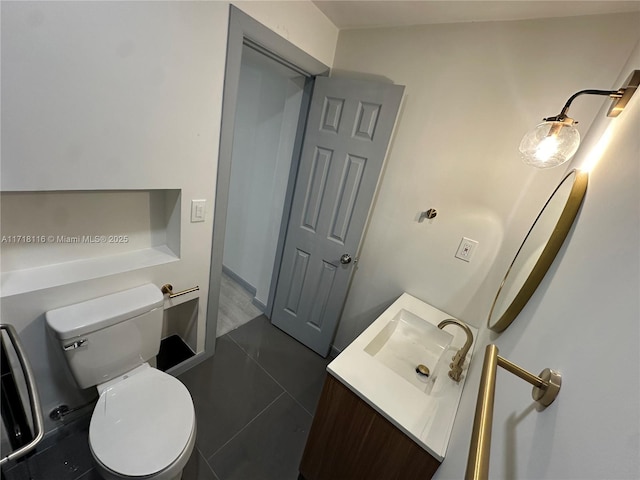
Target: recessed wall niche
(60, 237)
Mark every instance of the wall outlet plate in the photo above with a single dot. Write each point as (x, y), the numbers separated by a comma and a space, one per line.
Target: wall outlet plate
(466, 249)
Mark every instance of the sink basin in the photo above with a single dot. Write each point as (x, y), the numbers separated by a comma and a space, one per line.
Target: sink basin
(379, 367)
(407, 341)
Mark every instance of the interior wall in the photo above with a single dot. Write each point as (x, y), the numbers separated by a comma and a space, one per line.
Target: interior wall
(583, 321)
(118, 95)
(87, 211)
(300, 22)
(267, 113)
(472, 90)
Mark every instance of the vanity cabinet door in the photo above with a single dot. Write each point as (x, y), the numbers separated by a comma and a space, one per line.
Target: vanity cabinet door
(350, 440)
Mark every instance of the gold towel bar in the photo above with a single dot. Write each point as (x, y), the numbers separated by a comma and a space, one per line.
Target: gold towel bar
(545, 390)
(167, 288)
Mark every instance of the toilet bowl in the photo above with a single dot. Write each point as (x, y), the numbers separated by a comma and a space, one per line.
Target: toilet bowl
(143, 425)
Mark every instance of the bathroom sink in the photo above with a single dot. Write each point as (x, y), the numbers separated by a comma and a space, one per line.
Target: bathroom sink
(407, 341)
(380, 367)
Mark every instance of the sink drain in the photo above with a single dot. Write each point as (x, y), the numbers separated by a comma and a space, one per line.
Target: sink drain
(423, 370)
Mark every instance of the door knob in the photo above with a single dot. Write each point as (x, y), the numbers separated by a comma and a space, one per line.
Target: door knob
(345, 258)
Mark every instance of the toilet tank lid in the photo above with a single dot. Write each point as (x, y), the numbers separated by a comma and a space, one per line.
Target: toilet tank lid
(98, 313)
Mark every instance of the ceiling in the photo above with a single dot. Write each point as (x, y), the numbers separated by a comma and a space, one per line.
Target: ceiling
(347, 14)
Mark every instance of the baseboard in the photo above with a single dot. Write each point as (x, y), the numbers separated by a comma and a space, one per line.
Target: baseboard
(240, 281)
(258, 304)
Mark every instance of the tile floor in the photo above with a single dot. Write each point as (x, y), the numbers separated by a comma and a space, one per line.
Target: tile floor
(236, 307)
(254, 402)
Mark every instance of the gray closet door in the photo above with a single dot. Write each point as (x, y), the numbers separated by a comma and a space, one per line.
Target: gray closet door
(348, 130)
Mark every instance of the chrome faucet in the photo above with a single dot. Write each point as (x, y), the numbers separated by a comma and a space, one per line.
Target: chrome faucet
(458, 359)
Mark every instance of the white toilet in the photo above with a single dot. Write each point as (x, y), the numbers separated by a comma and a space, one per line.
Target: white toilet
(143, 425)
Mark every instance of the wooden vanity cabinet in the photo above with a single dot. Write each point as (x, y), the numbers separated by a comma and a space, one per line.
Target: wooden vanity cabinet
(350, 440)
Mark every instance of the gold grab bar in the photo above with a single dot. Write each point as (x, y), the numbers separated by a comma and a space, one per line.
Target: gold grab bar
(167, 288)
(545, 390)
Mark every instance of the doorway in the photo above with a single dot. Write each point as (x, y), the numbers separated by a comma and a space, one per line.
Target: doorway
(296, 251)
(268, 111)
(244, 32)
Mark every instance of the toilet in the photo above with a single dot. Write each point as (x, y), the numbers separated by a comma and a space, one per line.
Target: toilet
(143, 425)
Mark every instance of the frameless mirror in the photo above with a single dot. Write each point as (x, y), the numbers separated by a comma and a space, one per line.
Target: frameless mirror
(539, 248)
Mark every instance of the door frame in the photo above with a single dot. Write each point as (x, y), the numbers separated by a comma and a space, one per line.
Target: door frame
(245, 30)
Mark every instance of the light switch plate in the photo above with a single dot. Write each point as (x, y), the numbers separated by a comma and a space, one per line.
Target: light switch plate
(466, 249)
(198, 210)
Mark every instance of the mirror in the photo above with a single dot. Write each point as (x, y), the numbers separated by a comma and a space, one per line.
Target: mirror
(539, 248)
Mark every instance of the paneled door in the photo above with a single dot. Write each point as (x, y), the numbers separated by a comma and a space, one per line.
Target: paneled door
(348, 130)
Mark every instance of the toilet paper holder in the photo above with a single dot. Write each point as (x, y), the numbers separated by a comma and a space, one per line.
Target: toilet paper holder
(167, 289)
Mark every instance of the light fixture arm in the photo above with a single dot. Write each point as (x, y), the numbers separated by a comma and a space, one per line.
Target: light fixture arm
(556, 140)
(563, 113)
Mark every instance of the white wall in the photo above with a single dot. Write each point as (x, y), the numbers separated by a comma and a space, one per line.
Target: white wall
(119, 95)
(472, 91)
(583, 321)
(267, 114)
(298, 21)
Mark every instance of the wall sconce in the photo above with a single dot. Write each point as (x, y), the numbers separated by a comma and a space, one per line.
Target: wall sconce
(556, 140)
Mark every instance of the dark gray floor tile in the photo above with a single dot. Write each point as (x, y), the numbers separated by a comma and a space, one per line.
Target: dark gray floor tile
(269, 448)
(68, 459)
(228, 390)
(15, 472)
(197, 468)
(297, 368)
(91, 475)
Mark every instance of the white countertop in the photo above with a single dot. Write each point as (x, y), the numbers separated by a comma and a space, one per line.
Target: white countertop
(427, 418)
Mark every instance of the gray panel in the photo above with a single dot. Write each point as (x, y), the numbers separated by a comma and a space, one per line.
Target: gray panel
(331, 114)
(366, 120)
(300, 265)
(319, 305)
(349, 186)
(315, 188)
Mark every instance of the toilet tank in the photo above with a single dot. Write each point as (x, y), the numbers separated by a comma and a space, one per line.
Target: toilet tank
(108, 336)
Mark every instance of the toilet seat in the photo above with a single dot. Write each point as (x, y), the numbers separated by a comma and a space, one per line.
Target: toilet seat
(142, 422)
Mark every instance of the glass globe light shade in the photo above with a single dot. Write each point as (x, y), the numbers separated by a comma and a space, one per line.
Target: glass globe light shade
(549, 144)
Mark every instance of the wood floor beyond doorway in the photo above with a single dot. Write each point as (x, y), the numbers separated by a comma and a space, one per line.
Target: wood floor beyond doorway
(235, 307)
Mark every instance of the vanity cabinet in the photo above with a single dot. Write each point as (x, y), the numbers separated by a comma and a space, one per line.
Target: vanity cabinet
(350, 440)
